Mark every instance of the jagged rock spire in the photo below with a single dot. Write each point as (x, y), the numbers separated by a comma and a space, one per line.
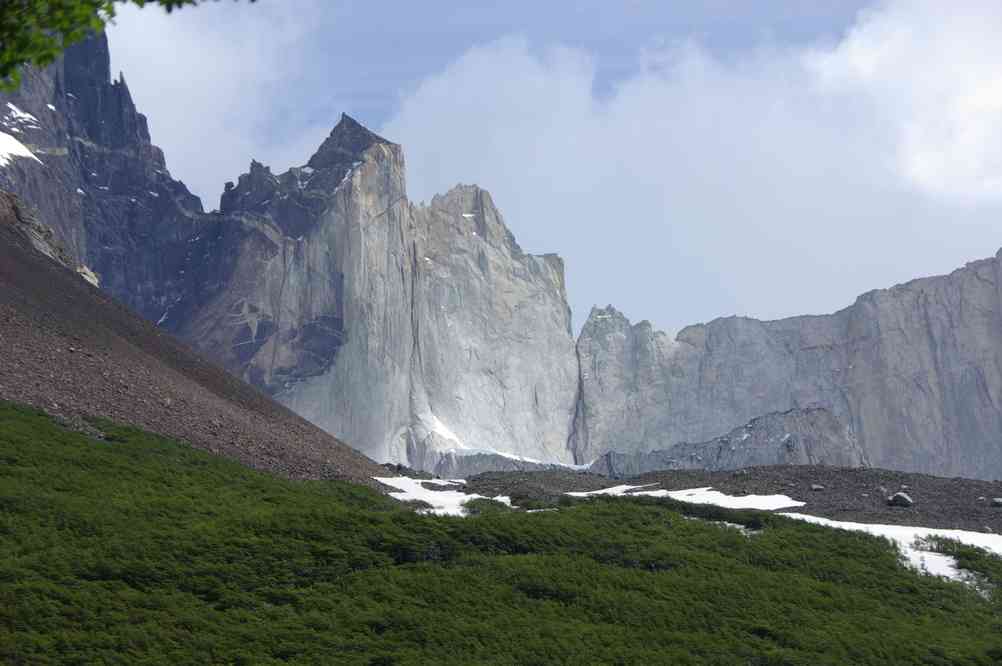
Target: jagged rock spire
(346, 143)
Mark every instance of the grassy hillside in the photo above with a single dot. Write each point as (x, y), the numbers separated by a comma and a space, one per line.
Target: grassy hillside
(141, 550)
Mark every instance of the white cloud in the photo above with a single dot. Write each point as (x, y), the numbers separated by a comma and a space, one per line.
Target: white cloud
(933, 71)
(783, 182)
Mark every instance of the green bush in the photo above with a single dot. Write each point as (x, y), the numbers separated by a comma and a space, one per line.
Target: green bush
(141, 550)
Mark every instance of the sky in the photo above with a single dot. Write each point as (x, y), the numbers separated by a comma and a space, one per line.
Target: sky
(688, 160)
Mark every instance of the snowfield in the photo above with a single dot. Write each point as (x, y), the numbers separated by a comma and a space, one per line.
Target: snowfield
(701, 496)
(443, 502)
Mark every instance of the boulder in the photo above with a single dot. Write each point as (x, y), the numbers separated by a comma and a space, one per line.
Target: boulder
(900, 499)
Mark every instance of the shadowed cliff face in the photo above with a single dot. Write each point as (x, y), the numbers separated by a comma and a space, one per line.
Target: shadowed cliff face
(810, 436)
(424, 334)
(265, 282)
(99, 182)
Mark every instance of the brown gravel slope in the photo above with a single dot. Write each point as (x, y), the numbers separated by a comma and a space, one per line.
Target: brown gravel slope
(856, 495)
(68, 349)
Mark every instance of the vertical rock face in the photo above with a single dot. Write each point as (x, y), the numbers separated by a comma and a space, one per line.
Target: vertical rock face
(798, 437)
(269, 283)
(449, 319)
(495, 351)
(915, 371)
(364, 238)
(98, 181)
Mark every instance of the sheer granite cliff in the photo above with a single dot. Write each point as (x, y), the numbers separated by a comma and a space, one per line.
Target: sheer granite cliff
(914, 371)
(454, 339)
(411, 331)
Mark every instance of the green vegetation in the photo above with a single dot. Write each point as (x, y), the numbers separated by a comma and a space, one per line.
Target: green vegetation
(141, 550)
(483, 506)
(36, 31)
(985, 568)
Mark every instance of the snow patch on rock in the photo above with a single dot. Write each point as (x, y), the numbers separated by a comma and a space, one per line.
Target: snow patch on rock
(700, 496)
(86, 273)
(11, 148)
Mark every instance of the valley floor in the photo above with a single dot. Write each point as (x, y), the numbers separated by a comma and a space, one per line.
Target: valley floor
(137, 549)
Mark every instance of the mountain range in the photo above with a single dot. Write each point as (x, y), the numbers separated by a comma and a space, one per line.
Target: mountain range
(425, 335)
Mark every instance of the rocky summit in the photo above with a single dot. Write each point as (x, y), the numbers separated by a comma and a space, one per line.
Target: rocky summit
(425, 335)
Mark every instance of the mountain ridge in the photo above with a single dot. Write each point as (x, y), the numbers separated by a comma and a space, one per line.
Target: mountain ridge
(423, 331)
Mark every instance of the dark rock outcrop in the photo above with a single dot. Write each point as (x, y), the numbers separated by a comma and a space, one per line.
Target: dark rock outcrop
(98, 182)
(795, 437)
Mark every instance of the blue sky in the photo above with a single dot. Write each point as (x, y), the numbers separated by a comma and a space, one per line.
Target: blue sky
(687, 159)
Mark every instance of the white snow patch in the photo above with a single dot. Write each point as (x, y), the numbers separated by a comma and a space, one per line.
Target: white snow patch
(912, 541)
(79, 191)
(723, 523)
(19, 115)
(153, 194)
(163, 317)
(434, 424)
(614, 491)
(443, 502)
(701, 496)
(745, 436)
(347, 175)
(87, 274)
(710, 496)
(469, 216)
(51, 108)
(11, 148)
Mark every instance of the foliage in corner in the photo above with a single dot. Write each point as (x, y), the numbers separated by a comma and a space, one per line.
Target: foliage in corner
(35, 32)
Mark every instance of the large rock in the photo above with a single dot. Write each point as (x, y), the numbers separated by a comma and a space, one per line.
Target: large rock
(796, 437)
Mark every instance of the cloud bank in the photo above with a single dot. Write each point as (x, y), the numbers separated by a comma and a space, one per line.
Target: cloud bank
(785, 181)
